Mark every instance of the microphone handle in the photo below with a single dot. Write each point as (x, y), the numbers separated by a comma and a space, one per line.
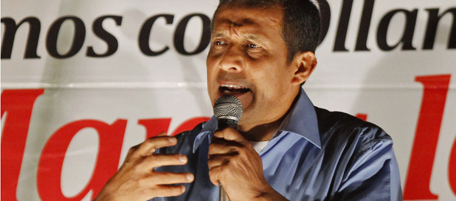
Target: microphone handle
(222, 194)
(222, 124)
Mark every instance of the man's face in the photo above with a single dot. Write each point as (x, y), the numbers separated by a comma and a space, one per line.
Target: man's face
(248, 59)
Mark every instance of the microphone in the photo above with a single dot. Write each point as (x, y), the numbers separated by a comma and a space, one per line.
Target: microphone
(228, 110)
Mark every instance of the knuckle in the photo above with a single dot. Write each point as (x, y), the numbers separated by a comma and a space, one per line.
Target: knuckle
(210, 164)
(160, 177)
(234, 149)
(153, 160)
(181, 177)
(164, 176)
(150, 140)
(137, 168)
(143, 183)
(163, 133)
(212, 174)
(212, 148)
(226, 131)
(241, 151)
(156, 178)
(226, 161)
(230, 130)
(171, 190)
(133, 149)
(220, 134)
(175, 190)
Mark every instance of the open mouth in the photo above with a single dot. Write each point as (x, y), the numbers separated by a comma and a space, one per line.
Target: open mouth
(232, 89)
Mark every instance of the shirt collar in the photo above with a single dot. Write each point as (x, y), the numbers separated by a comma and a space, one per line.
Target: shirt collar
(302, 121)
(208, 130)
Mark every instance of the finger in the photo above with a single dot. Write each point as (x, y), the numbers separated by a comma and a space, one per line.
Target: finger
(131, 151)
(168, 191)
(162, 134)
(152, 144)
(167, 178)
(225, 142)
(217, 160)
(214, 175)
(223, 147)
(164, 160)
(230, 134)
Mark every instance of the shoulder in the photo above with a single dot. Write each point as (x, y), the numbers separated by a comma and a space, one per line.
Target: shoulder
(362, 154)
(344, 132)
(347, 125)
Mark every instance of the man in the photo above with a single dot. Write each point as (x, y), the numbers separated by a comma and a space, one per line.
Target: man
(284, 148)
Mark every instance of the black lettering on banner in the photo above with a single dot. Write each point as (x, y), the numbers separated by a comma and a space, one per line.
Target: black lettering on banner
(145, 34)
(10, 34)
(363, 32)
(407, 35)
(78, 39)
(431, 30)
(110, 40)
(341, 35)
(34, 28)
(180, 33)
(325, 20)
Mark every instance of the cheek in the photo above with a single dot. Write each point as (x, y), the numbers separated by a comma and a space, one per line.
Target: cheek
(210, 69)
(266, 84)
(275, 84)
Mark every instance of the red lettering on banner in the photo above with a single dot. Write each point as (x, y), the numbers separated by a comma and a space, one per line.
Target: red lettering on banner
(53, 154)
(427, 134)
(189, 124)
(362, 116)
(155, 126)
(18, 105)
(452, 168)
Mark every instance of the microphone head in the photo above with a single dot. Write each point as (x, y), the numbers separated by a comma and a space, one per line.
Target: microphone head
(228, 107)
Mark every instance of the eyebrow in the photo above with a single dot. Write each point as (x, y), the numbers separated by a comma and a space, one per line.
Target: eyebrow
(248, 36)
(243, 21)
(219, 34)
(252, 36)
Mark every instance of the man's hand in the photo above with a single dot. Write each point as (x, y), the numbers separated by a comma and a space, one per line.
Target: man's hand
(136, 178)
(237, 166)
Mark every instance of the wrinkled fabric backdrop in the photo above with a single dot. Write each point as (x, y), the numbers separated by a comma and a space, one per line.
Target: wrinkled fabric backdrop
(82, 81)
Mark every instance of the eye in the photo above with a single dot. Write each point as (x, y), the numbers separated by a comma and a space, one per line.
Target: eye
(252, 46)
(218, 43)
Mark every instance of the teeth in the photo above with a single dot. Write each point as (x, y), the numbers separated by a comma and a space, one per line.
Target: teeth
(232, 86)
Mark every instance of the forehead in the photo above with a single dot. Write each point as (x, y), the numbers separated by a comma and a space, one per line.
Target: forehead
(255, 18)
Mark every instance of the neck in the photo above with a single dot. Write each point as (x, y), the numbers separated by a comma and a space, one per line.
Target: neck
(263, 132)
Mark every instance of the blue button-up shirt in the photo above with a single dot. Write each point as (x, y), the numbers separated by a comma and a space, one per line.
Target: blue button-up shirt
(314, 155)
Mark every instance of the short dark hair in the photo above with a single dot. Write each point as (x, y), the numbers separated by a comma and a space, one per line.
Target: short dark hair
(301, 22)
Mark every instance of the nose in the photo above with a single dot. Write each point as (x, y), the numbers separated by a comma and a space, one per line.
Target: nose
(232, 60)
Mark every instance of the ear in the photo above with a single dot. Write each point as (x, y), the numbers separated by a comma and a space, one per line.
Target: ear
(303, 65)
